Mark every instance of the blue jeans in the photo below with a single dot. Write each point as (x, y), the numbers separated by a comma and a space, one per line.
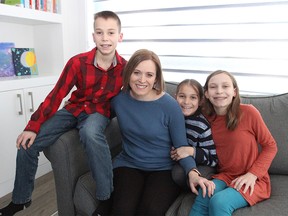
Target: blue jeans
(224, 201)
(91, 130)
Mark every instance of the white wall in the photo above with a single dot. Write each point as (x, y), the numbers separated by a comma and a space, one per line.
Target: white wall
(74, 14)
(193, 38)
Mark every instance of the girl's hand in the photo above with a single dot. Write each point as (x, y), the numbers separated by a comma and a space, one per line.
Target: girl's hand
(181, 152)
(248, 180)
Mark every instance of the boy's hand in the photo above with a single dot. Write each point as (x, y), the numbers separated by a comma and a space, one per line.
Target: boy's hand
(181, 152)
(25, 139)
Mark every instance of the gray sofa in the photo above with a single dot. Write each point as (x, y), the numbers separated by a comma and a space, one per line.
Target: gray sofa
(76, 190)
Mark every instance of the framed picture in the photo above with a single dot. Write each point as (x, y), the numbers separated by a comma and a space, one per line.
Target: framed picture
(6, 62)
(24, 61)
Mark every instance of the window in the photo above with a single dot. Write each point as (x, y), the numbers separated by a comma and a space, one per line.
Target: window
(248, 38)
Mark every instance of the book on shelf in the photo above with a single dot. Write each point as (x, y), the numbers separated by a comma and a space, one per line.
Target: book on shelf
(49, 6)
(24, 61)
(32, 4)
(19, 3)
(43, 4)
(26, 3)
(53, 6)
(56, 6)
(6, 62)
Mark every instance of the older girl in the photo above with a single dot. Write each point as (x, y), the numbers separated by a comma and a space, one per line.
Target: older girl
(242, 178)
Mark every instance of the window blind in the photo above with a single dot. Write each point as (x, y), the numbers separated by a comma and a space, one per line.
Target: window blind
(248, 38)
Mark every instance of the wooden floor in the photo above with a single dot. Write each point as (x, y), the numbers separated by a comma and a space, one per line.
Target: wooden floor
(43, 198)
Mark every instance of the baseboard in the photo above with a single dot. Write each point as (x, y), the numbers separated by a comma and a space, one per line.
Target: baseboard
(55, 214)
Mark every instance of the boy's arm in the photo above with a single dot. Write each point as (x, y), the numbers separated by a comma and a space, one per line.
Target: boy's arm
(53, 100)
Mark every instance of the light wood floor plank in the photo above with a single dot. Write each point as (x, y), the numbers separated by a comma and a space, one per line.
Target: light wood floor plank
(43, 198)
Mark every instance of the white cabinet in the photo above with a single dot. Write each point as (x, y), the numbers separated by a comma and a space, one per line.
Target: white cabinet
(10, 125)
(45, 32)
(21, 96)
(16, 109)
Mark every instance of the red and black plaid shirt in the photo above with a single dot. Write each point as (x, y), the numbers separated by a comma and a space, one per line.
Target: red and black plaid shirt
(94, 89)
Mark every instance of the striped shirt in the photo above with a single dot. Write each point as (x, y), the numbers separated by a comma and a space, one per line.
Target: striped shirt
(94, 89)
(199, 135)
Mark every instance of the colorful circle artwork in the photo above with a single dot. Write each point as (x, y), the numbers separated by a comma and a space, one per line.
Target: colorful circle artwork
(28, 59)
(24, 61)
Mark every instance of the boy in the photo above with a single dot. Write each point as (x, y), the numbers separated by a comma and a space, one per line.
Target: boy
(97, 75)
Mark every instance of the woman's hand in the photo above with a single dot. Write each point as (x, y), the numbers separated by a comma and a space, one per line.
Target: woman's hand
(248, 180)
(25, 139)
(206, 185)
(181, 152)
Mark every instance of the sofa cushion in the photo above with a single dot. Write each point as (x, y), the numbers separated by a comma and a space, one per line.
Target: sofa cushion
(170, 88)
(274, 110)
(276, 205)
(113, 136)
(85, 195)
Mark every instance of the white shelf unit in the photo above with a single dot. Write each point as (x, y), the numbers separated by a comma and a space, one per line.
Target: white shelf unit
(40, 30)
(43, 31)
(56, 38)
(27, 16)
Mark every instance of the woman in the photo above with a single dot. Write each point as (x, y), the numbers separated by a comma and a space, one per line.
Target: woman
(151, 122)
(242, 177)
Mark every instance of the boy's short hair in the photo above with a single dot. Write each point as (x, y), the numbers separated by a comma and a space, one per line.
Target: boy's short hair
(106, 15)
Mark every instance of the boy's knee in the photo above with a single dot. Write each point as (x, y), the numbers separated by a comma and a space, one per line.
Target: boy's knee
(91, 134)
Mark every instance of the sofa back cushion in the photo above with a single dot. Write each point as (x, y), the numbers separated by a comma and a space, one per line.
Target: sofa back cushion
(170, 87)
(274, 110)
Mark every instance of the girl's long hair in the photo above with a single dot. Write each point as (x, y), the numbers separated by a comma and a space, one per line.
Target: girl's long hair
(233, 110)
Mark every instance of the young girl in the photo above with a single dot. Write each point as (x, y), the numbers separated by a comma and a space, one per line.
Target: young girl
(242, 177)
(189, 95)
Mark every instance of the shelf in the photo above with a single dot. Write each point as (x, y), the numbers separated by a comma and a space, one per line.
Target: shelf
(19, 15)
(19, 82)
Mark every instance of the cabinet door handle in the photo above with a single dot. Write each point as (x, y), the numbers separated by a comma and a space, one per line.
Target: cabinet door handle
(21, 104)
(32, 102)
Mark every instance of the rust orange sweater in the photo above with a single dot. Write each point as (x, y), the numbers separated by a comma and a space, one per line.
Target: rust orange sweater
(238, 151)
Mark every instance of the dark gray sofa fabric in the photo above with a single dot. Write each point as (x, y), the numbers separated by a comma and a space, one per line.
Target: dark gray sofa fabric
(275, 206)
(75, 187)
(274, 111)
(69, 164)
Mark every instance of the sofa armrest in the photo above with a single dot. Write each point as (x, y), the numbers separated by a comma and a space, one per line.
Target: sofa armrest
(69, 162)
